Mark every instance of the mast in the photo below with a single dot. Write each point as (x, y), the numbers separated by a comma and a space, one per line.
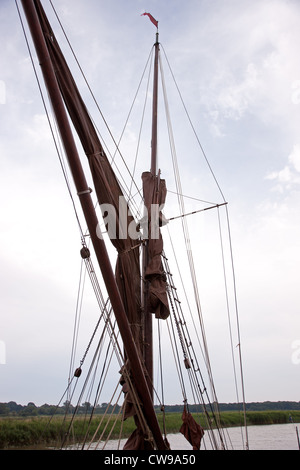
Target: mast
(148, 334)
(83, 192)
(154, 110)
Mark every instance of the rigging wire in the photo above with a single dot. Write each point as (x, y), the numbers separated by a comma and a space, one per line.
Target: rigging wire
(238, 330)
(107, 423)
(117, 145)
(191, 197)
(77, 319)
(106, 364)
(228, 314)
(161, 376)
(190, 359)
(193, 128)
(184, 224)
(106, 314)
(179, 192)
(143, 116)
(63, 167)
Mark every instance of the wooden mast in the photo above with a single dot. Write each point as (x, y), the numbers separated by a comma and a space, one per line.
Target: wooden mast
(148, 334)
(91, 218)
(154, 111)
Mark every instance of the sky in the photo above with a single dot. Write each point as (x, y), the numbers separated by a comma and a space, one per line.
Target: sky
(237, 65)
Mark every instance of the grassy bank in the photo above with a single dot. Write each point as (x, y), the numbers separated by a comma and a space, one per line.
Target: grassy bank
(42, 432)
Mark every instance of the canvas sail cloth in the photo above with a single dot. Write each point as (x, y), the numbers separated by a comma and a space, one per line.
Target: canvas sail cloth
(106, 184)
(155, 191)
(191, 430)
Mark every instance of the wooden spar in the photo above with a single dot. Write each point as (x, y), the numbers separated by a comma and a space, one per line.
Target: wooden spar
(154, 111)
(148, 334)
(91, 218)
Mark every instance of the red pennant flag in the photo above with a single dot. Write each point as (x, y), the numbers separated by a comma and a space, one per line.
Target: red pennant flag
(151, 19)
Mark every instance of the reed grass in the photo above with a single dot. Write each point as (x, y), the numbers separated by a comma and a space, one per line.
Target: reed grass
(16, 432)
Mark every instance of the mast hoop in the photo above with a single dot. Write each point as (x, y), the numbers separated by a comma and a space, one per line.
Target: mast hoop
(87, 191)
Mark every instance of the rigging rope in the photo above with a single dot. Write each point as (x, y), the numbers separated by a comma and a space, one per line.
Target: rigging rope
(187, 238)
(184, 223)
(193, 128)
(190, 359)
(116, 144)
(238, 330)
(63, 166)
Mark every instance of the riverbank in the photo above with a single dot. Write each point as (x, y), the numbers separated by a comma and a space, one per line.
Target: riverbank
(42, 432)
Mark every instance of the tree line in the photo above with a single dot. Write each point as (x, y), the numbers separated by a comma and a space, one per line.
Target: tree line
(13, 409)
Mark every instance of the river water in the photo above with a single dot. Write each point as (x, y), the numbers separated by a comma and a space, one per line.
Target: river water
(270, 437)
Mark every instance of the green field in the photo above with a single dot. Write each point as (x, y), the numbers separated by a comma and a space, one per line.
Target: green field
(40, 432)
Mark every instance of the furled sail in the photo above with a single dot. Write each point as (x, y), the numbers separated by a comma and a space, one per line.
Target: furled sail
(191, 430)
(155, 192)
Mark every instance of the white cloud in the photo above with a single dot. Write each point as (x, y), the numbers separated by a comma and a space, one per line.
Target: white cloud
(289, 177)
(235, 96)
(296, 92)
(38, 130)
(294, 158)
(251, 70)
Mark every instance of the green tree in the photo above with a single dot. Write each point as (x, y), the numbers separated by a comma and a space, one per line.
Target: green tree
(29, 410)
(4, 409)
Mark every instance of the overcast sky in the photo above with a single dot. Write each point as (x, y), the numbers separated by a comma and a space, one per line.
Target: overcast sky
(237, 64)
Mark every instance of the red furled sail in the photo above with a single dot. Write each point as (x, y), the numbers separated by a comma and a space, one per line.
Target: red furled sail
(191, 430)
(155, 192)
